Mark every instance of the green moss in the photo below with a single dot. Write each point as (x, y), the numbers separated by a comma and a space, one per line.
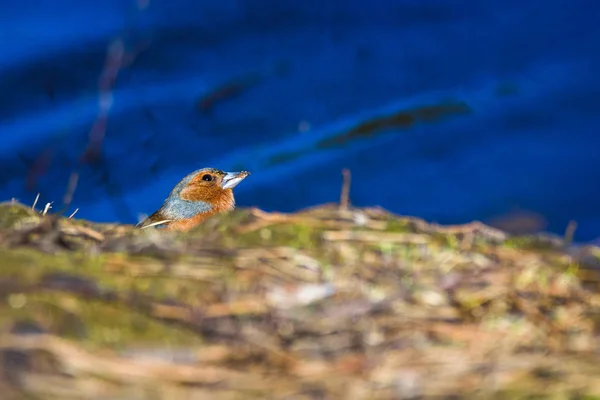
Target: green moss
(91, 320)
(13, 215)
(131, 274)
(298, 236)
(399, 225)
(446, 240)
(28, 266)
(594, 251)
(528, 242)
(95, 323)
(104, 299)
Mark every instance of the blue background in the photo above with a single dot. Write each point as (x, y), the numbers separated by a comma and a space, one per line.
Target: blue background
(286, 90)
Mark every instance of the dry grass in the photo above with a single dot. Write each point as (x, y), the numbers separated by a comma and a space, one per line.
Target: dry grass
(326, 303)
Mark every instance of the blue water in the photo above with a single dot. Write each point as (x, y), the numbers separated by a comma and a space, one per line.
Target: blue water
(303, 74)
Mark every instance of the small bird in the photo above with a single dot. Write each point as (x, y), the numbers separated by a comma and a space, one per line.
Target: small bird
(196, 197)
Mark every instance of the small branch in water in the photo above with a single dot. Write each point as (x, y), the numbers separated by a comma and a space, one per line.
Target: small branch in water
(68, 196)
(70, 189)
(570, 232)
(345, 195)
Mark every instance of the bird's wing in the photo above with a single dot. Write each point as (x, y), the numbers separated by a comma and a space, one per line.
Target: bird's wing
(155, 219)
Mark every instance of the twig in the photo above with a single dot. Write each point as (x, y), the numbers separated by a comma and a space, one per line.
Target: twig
(156, 223)
(375, 237)
(469, 228)
(48, 206)
(345, 195)
(112, 66)
(35, 201)
(76, 358)
(117, 58)
(570, 232)
(83, 231)
(68, 197)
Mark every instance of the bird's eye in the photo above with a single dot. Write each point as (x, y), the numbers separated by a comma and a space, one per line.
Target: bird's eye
(207, 178)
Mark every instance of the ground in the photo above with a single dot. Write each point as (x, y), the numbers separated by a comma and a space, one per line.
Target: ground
(326, 303)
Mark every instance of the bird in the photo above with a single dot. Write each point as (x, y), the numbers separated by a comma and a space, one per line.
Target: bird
(198, 196)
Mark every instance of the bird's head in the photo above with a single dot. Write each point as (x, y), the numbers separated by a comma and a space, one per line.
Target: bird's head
(203, 191)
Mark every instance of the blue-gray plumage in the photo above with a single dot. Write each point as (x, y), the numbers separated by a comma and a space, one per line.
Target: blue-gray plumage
(196, 197)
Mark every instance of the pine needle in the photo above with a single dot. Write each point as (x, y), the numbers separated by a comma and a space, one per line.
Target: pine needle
(48, 206)
(157, 223)
(74, 212)
(35, 201)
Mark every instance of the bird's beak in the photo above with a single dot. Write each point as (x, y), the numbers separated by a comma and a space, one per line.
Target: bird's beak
(231, 179)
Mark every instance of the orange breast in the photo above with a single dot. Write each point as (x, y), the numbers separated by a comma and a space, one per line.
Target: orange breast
(185, 225)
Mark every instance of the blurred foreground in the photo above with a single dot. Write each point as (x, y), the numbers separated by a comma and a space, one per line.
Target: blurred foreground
(322, 304)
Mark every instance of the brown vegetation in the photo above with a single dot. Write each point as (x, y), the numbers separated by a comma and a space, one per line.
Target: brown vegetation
(326, 303)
